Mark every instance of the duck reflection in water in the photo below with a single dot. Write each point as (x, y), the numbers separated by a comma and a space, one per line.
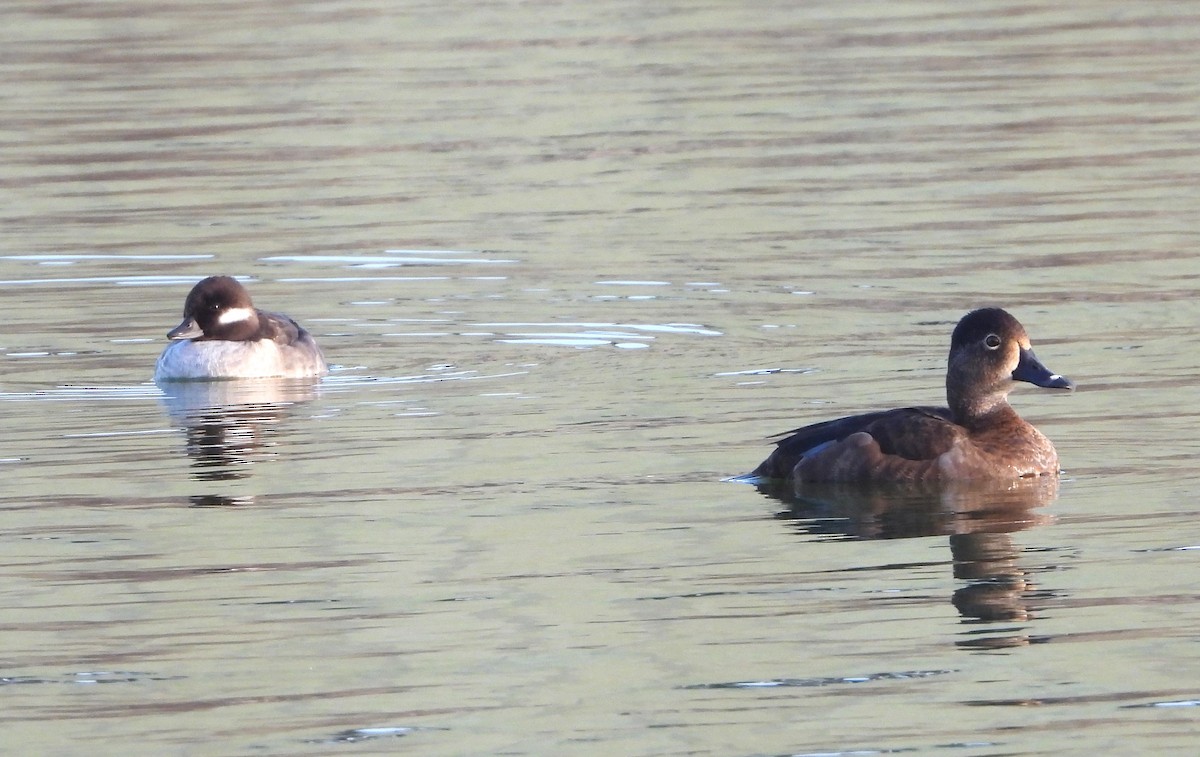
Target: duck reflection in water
(978, 517)
(232, 425)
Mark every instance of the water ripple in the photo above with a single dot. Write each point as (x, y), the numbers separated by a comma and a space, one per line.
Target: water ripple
(819, 682)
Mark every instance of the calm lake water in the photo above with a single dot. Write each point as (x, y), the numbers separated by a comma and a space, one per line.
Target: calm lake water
(574, 263)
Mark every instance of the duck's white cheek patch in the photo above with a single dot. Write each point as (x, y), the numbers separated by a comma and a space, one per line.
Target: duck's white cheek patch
(234, 315)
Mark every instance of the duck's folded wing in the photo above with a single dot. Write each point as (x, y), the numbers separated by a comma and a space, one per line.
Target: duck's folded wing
(904, 432)
(915, 433)
(279, 328)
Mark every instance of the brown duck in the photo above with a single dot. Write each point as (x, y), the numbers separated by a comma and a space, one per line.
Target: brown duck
(978, 437)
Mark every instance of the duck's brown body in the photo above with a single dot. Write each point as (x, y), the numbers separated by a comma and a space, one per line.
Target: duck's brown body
(979, 436)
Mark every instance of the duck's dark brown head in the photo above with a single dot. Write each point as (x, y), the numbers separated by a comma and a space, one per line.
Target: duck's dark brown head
(989, 351)
(218, 307)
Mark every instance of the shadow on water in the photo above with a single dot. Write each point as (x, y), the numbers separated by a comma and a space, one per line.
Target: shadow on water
(232, 425)
(979, 519)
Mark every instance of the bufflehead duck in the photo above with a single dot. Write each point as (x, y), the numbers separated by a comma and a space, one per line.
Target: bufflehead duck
(979, 436)
(223, 336)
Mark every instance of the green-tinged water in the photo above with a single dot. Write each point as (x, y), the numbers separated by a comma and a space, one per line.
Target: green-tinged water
(573, 264)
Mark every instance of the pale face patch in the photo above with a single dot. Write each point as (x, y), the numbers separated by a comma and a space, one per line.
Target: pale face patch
(235, 315)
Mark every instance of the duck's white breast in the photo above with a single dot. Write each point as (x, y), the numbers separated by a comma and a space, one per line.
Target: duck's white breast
(215, 359)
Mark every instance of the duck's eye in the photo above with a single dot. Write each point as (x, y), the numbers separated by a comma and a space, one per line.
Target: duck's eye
(991, 341)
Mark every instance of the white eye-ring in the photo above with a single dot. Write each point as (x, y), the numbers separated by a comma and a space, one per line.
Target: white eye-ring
(991, 341)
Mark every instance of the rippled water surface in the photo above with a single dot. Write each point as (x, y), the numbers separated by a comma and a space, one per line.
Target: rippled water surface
(573, 264)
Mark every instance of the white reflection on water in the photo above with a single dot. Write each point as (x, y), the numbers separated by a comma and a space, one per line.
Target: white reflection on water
(630, 336)
(350, 381)
(82, 393)
(767, 371)
(665, 328)
(636, 283)
(336, 279)
(118, 280)
(71, 257)
(395, 258)
(579, 340)
(820, 682)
